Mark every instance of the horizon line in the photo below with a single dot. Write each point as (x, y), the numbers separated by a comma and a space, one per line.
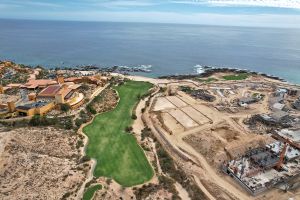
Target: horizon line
(137, 22)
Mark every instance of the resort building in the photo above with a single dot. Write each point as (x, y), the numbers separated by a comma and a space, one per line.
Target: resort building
(39, 83)
(60, 94)
(49, 92)
(36, 108)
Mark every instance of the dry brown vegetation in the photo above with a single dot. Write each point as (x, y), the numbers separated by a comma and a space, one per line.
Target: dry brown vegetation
(39, 163)
(106, 101)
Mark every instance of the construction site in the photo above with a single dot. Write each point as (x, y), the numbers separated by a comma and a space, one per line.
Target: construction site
(246, 129)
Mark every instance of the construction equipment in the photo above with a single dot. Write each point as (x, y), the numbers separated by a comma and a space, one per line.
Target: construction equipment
(281, 158)
(293, 144)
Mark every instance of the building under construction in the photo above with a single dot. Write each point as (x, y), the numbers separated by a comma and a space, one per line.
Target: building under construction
(262, 168)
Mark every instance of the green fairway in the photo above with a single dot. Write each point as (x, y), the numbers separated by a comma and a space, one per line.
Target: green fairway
(89, 193)
(117, 153)
(236, 77)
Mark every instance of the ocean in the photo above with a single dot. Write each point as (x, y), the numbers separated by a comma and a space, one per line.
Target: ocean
(167, 48)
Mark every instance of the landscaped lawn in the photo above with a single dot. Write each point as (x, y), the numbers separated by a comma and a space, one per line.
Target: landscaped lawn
(236, 77)
(117, 153)
(89, 193)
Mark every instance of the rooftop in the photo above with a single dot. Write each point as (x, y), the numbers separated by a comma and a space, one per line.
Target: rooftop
(4, 98)
(50, 91)
(32, 84)
(32, 105)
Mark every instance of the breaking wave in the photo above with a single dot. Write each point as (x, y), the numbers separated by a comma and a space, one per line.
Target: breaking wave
(199, 69)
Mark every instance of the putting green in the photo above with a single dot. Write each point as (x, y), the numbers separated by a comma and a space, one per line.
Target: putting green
(117, 153)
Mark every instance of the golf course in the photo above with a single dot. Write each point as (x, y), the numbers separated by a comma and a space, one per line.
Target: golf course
(117, 152)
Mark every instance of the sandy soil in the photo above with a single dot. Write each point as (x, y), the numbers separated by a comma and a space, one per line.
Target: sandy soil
(163, 104)
(183, 118)
(182, 192)
(195, 115)
(171, 124)
(176, 101)
(39, 163)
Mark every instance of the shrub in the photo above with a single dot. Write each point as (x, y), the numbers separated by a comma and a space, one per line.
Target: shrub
(65, 107)
(91, 109)
(85, 159)
(133, 116)
(68, 124)
(84, 87)
(79, 144)
(78, 122)
(146, 132)
(128, 129)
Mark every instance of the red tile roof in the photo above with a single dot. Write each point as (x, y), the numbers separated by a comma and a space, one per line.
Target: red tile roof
(50, 91)
(39, 83)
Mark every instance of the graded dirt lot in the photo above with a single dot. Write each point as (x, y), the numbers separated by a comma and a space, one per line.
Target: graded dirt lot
(195, 115)
(163, 104)
(39, 163)
(183, 118)
(176, 101)
(171, 124)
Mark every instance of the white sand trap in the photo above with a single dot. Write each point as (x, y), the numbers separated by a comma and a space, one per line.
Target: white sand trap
(183, 119)
(195, 115)
(171, 124)
(162, 104)
(176, 101)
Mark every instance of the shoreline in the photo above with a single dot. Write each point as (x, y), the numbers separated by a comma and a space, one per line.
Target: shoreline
(146, 72)
(207, 72)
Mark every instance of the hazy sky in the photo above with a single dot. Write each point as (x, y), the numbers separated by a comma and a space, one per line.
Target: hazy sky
(274, 13)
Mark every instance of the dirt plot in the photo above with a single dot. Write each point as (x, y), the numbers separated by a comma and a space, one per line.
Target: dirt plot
(183, 119)
(171, 124)
(39, 163)
(209, 112)
(176, 101)
(162, 104)
(222, 142)
(186, 98)
(195, 115)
